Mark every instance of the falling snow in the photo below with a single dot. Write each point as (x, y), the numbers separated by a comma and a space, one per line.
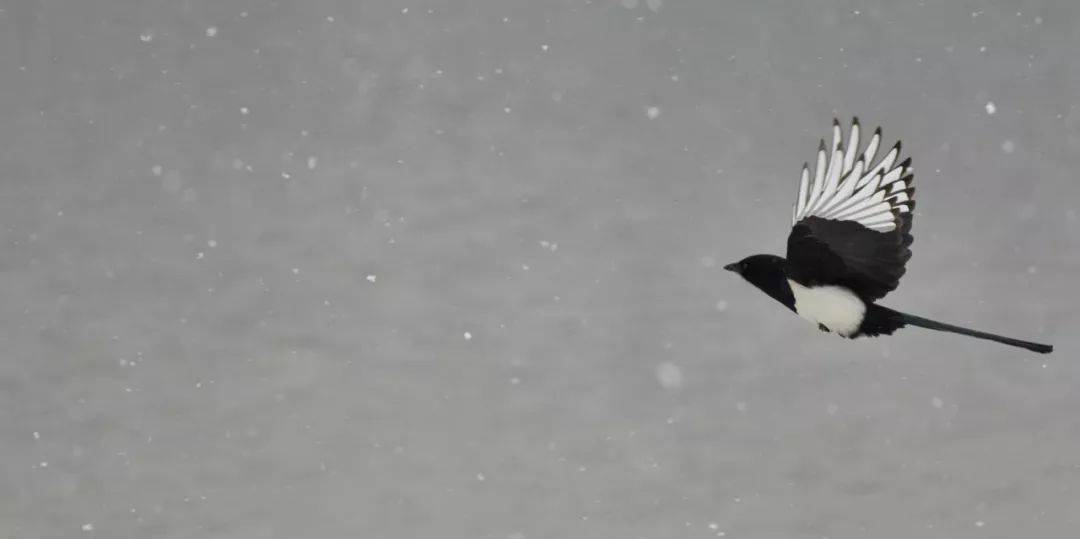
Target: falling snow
(669, 375)
(583, 243)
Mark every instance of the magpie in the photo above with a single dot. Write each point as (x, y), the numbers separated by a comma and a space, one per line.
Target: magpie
(849, 242)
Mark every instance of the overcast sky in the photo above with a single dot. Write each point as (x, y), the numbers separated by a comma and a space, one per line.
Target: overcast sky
(453, 269)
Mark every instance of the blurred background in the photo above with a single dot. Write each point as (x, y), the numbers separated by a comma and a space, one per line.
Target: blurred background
(453, 268)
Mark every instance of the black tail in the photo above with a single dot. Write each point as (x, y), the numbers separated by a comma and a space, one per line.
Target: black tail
(884, 320)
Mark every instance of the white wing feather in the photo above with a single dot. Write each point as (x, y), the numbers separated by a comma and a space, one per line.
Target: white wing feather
(845, 190)
(853, 148)
(848, 186)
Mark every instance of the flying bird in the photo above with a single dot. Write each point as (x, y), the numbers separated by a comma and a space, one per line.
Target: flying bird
(849, 242)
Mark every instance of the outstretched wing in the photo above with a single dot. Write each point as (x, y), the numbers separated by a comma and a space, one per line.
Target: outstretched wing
(852, 219)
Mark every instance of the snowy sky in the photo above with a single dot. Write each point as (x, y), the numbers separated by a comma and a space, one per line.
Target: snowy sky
(453, 268)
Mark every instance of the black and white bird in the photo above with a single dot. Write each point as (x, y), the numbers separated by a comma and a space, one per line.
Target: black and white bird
(849, 242)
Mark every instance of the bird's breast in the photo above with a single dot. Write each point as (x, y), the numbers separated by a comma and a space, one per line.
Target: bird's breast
(835, 307)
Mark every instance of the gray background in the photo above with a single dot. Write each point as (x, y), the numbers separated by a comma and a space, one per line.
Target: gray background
(547, 346)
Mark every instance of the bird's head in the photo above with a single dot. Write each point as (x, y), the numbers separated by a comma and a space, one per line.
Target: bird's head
(758, 269)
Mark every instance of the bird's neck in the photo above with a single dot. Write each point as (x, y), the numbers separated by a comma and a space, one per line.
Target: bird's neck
(773, 280)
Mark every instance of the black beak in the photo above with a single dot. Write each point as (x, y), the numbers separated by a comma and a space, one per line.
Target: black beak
(732, 267)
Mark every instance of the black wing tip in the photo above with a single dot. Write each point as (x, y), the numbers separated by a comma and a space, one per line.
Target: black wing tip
(906, 163)
(821, 145)
(878, 131)
(855, 120)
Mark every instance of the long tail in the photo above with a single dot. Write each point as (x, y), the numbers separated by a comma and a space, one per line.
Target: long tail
(889, 320)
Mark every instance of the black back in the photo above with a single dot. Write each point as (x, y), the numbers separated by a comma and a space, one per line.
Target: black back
(846, 253)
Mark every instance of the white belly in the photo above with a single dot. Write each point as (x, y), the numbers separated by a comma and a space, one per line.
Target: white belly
(834, 307)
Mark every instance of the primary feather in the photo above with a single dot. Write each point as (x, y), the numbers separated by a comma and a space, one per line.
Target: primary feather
(847, 185)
